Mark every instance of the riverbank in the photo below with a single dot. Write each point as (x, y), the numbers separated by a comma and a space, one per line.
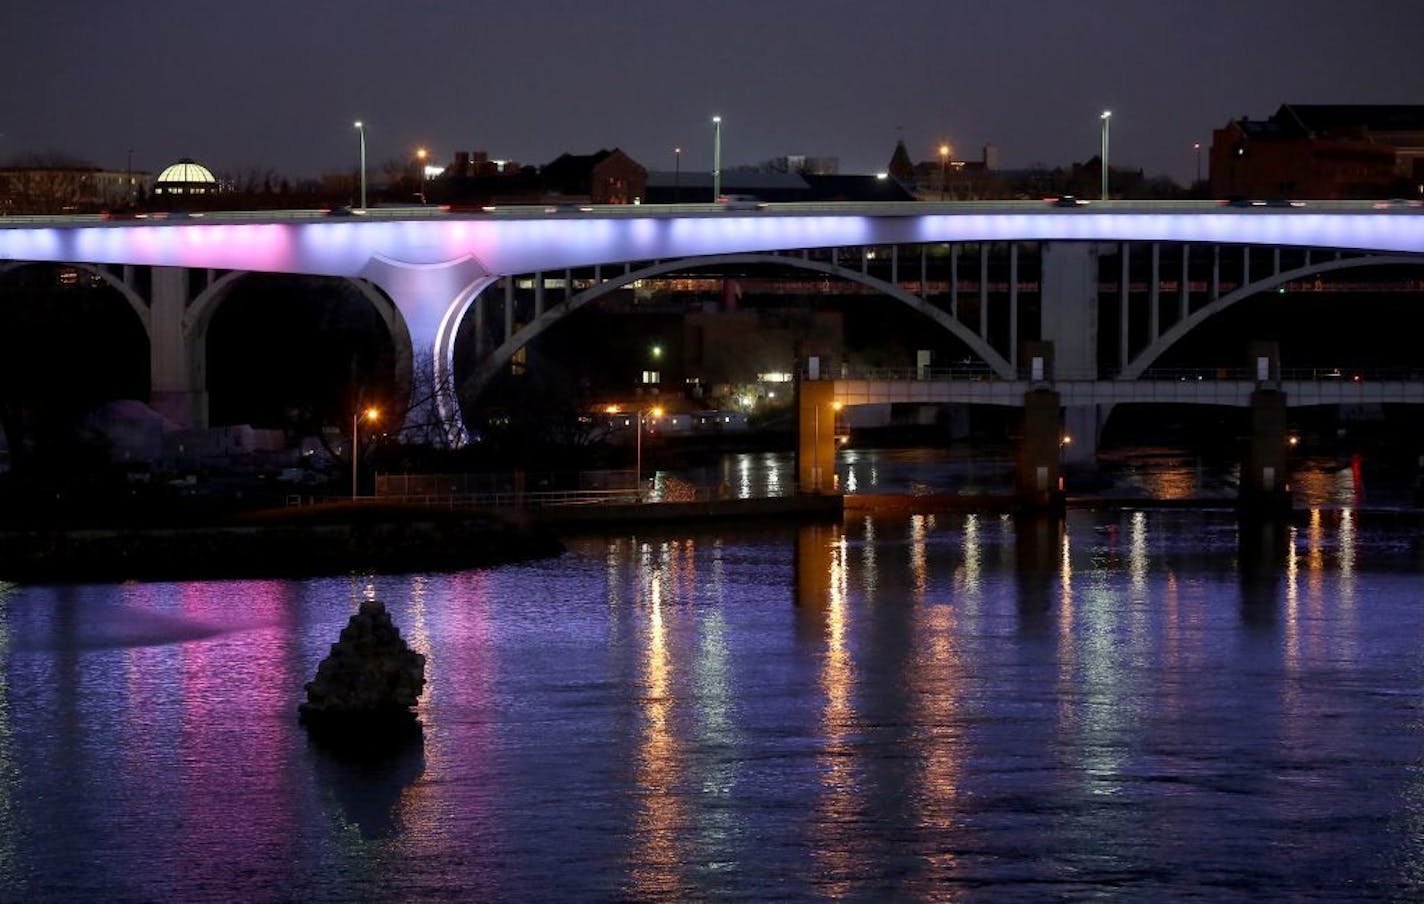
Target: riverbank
(376, 537)
(335, 538)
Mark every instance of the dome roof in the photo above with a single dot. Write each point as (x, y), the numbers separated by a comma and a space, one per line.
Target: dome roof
(186, 172)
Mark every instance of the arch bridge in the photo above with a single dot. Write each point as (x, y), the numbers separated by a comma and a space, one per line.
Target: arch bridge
(993, 274)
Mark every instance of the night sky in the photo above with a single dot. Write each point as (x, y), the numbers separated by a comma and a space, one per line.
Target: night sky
(276, 84)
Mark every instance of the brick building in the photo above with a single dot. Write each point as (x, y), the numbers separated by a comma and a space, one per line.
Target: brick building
(1322, 151)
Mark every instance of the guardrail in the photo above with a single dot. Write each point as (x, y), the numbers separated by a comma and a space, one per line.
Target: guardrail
(546, 498)
(1177, 374)
(868, 208)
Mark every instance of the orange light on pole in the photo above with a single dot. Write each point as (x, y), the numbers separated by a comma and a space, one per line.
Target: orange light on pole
(943, 169)
(420, 163)
(657, 413)
(372, 415)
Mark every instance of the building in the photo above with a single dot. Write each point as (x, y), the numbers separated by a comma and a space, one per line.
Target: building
(605, 177)
(1322, 151)
(695, 187)
(185, 179)
(42, 188)
(949, 179)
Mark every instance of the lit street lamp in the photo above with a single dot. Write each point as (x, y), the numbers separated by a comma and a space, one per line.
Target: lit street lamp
(370, 414)
(943, 169)
(1196, 146)
(638, 462)
(361, 128)
(676, 174)
(420, 162)
(1106, 118)
(716, 158)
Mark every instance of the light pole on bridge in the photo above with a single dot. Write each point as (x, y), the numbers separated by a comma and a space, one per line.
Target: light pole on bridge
(361, 129)
(716, 158)
(1106, 117)
(943, 169)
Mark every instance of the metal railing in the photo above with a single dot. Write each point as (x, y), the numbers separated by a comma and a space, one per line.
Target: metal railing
(548, 498)
(871, 208)
(1175, 374)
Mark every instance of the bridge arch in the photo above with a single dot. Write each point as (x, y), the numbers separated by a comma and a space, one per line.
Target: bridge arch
(135, 301)
(500, 357)
(198, 318)
(1179, 330)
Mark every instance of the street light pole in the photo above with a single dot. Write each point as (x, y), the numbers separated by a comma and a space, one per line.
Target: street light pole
(420, 162)
(370, 414)
(638, 463)
(361, 128)
(943, 169)
(1196, 146)
(716, 158)
(676, 174)
(1106, 118)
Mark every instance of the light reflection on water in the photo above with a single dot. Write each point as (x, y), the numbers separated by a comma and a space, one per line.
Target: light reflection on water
(1137, 705)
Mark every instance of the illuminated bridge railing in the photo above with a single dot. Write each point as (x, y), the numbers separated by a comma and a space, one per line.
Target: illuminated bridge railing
(1220, 386)
(771, 209)
(979, 373)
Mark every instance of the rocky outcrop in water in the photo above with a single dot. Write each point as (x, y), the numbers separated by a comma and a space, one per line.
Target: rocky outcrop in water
(369, 684)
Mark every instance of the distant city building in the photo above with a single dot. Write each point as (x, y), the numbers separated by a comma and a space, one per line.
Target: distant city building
(960, 180)
(900, 166)
(1322, 151)
(42, 188)
(605, 177)
(185, 178)
(816, 166)
(695, 187)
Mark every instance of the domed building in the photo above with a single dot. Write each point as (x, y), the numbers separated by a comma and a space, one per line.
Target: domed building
(185, 178)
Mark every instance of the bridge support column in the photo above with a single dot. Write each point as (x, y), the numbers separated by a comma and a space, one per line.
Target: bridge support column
(816, 436)
(178, 386)
(1070, 323)
(430, 301)
(1038, 482)
(1264, 489)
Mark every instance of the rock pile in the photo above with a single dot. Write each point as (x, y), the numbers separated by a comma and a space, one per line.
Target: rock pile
(370, 682)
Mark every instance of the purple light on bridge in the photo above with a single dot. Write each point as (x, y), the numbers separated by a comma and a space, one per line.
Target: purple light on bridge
(521, 245)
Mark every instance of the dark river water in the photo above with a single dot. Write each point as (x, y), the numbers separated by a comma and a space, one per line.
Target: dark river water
(1130, 705)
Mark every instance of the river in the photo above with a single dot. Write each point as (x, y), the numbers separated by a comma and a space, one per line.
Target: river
(1130, 705)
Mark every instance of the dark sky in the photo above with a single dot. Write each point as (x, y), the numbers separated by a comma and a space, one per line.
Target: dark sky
(276, 83)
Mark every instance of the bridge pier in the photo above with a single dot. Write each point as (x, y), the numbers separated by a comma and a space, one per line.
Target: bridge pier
(1070, 329)
(1038, 483)
(430, 301)
(177, 367)
(1264, 489)
(816, 436)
